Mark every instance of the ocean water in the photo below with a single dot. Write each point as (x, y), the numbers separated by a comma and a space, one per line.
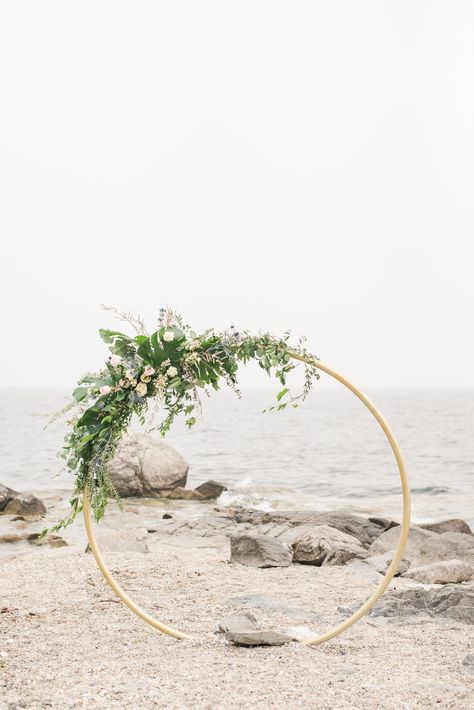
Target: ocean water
(329, 453)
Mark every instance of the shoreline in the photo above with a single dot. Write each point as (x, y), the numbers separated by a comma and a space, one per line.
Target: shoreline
(61, 496)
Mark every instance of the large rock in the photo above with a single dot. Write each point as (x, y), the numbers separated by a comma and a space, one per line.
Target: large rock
(366, 530)
(326, 545)
(25, 504)
(260, 551)
(6, 494)
(238, 622)
(257, 638)
(144, 466)
(210, 489)
(448, 602)
(447, 572)
(425, 547)
(447, 546)
(451, 525)
(388, 541)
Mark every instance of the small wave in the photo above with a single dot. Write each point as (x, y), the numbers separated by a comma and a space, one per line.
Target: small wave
(249, 500)
(431, 490)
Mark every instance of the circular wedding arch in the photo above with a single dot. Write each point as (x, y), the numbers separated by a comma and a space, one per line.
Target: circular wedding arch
(376, 594)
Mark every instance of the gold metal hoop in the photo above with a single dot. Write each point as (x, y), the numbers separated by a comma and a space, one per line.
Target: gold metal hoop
(379, 590)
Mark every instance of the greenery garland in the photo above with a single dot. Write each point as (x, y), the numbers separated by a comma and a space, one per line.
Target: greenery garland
(170, 366)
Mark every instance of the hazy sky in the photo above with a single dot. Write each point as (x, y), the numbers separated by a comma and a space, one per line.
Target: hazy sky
(275, 165)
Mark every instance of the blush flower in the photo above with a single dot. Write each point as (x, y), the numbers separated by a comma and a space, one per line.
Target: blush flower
(105, 389)
(172, 371)
(148, 371)
(168, 336)
(141, 389)
(115, 360)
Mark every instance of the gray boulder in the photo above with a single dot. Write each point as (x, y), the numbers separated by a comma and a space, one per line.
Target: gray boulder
(326, 545)
(25, 504)
(452, 525)
(257, 638)
(144, 466)
(448, 602)
(447, 572)
(426, 547)
(6, 494)
(234, 623)
(260, 551)
(388, 541)
(446, 546)
(210, 489)
(366, 530)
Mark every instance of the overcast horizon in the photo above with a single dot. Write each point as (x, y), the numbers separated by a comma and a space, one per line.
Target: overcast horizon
(269, 165)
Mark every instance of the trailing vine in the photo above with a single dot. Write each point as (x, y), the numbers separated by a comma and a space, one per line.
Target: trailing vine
(171, 366)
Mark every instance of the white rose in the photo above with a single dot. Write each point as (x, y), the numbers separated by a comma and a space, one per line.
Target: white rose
(105, 389)
(141, 389)
(115, 360)
(168, 336)
(172, 371)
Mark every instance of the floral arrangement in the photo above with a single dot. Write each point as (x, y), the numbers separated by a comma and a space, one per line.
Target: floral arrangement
(168, 367)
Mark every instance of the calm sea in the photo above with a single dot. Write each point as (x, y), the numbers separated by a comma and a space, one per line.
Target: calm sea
(327, 454)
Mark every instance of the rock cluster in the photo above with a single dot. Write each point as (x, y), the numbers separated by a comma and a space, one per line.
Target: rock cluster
(145, 466)
(435, 553)
(23, 504)
(439, 553)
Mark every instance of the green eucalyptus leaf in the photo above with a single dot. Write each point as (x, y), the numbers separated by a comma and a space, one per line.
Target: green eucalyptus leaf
(80, 393)
(281, 394)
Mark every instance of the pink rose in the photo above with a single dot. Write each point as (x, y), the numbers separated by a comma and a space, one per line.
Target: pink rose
(148, 371)
(105, 389)
(115, 360)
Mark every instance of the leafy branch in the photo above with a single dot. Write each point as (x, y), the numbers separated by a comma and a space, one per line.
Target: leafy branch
(170, 368)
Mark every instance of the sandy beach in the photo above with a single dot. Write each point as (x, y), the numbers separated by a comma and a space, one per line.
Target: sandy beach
(237, 297)
(67, 642)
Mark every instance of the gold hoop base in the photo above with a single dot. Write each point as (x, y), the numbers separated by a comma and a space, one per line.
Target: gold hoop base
(379, 590)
